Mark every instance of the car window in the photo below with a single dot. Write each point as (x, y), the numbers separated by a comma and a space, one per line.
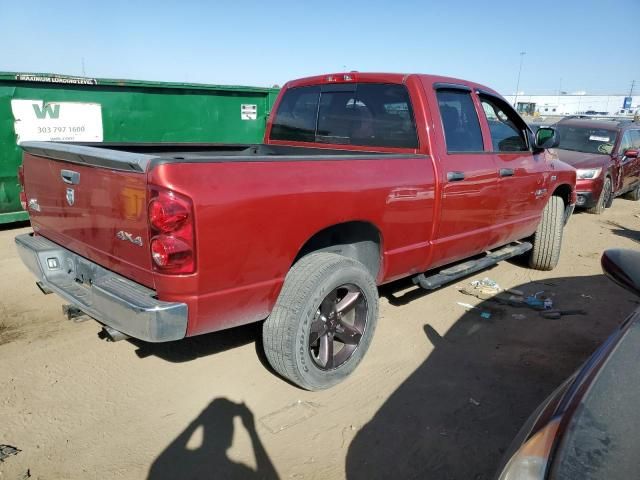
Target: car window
(459, 121)
(336, 115)
(635, 139)
(367, 114)
(584, 138)
(295, 119)
(507, 129)
(385, 117)
(626, 142)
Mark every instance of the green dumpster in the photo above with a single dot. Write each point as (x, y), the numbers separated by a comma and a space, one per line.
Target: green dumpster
(38, 106)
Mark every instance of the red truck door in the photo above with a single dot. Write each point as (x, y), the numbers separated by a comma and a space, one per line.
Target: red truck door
(521, 172)
(468, 174)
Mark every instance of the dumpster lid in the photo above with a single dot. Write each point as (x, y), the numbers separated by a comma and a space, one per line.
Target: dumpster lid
(55, 78)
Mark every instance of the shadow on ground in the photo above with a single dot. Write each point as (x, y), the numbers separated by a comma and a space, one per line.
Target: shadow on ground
(622, 231)
(200, 451)
(191, 348)
(454, 417)
(14, 225)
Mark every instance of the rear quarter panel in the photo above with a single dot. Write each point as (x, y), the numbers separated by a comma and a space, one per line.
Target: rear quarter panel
(252, 218)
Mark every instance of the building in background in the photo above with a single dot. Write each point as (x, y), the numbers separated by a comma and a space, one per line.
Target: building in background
(575, 104)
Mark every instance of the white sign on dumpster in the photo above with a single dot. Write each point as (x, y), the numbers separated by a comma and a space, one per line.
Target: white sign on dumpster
(57, 121)
(248, 111)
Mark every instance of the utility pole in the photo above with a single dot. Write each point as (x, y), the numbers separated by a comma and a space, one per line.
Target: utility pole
(515, 99)
(633, 84)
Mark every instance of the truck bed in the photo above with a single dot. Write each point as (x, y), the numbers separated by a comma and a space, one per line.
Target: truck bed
(143, 156)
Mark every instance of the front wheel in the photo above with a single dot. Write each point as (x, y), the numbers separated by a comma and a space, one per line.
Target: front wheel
(605, 199)
(323, 321)
(547, 241)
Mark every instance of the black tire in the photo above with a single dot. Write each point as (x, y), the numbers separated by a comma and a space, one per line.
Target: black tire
(307, 290)
(547, 241)
(604, 201)
(633, 194)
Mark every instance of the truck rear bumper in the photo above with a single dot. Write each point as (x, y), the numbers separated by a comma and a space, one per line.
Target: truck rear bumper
(102, 294)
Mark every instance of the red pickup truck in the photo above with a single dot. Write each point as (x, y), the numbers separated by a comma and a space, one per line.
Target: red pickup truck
(362, 179)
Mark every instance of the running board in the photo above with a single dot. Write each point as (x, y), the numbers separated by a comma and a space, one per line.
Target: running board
(450, 274)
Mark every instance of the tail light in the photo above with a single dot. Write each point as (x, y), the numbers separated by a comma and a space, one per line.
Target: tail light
(172, 232)
(23, 195)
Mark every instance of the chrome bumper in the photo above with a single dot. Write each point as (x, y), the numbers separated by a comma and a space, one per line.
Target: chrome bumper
(106, 296)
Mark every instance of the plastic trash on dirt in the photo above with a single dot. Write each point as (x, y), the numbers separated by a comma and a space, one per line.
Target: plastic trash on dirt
(487, 285)
(468, 307)
(539, 301)
(7, 451)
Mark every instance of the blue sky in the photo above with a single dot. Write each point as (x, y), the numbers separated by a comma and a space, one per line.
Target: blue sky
(582, 45)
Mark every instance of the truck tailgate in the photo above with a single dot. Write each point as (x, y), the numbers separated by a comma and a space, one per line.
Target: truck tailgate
(97, 209)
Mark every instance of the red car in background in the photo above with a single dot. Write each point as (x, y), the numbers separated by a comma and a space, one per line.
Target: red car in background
(605, 155)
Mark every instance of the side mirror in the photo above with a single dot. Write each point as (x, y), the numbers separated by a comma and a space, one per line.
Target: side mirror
(546, 137)
(631, 153)
(623, 267)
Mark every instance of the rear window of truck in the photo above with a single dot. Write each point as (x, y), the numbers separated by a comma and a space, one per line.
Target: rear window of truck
(367, 114)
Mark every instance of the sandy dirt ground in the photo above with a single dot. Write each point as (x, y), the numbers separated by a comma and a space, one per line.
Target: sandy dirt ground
(440, 395)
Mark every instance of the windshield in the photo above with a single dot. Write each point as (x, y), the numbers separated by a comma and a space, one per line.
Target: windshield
(586, 139)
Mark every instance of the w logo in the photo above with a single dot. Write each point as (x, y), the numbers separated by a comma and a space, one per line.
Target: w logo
(52, 111)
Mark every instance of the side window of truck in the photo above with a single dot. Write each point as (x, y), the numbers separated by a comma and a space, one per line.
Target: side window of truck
(459, 121)
(296, 116)
(507, 129)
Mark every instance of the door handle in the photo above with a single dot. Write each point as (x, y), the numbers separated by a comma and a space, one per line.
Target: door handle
(506, 172)
(70, 177)
(455, 176)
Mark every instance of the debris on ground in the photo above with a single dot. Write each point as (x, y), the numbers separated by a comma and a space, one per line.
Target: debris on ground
(7, 451)
(539, 301)
(502, 298)
(473, 401)
(518, 316)
(486, 285)
(557, 314)
(467, 306)
(488, 289)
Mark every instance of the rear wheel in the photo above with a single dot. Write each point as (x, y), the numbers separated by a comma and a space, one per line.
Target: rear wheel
(323, 321)
(604, 200)
(547, 241)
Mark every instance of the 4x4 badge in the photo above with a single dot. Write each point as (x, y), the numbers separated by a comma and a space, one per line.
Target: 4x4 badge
(71, 197)
(122, 235)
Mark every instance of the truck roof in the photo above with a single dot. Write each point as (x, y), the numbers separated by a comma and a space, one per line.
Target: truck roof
(381, 77)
